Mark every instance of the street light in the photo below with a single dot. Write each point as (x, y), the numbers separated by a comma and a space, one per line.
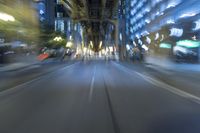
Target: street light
(58, 39)
(6, 17)
(91, 44)
(69, 44)
(100, 45)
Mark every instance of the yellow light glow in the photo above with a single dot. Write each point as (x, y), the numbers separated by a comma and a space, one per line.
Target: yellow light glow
(6, 17)
(91, 44)
(58, 39)
(84, 50)
(111, 49)
(69, 44)
(100, 45)
(103, 51)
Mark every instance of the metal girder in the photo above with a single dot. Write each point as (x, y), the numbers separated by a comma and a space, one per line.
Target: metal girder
(96, 20)
(102, 9)
(86, 7)
(93, 14)
(66, 5)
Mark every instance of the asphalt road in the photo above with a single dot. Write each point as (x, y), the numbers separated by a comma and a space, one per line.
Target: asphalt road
(97, 97)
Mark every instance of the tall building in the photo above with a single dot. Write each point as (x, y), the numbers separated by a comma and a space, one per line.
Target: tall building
(153, 19)
(50, 12)
(122, 14)
(53, 14)
(46, 12)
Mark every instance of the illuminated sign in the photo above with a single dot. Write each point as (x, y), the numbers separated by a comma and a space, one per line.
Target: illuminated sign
(145, 47)
(148, 40)
(165, 45)
(128, 47)
(187, 15)
(157, 36)
(170, 21)
(176, 32)
(140, 42)
(120, 36)
(188, 43)
(162, 37)
(197, 26)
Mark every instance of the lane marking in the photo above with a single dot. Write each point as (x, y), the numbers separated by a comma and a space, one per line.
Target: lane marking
(28, 68)
(92, 85)
(67, 67)
(168, 72)
(161, 84)
(16, 88)
(116, 127)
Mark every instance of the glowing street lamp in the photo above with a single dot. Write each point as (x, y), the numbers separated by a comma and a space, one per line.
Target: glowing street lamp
(69, 44)
(58, 39)
(100, 44)
(91, 44)
(6, 17)
(165, 46)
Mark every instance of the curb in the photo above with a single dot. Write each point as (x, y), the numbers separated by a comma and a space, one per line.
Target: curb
(16, 69)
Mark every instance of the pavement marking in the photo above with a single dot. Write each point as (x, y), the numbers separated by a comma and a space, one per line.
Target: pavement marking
(29, 67)
(168, 72)
(161, 84)
(116, 127)
(10, 90)
(67, 67)
(92, 85)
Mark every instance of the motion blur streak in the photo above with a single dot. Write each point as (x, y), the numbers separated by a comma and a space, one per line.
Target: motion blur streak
(99, 66)
(6, 17)
(19, 19)
(59, 103)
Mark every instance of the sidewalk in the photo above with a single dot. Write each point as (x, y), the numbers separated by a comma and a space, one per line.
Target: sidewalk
(15, 66)
(23, 61)
(166, 63)
(19, 62)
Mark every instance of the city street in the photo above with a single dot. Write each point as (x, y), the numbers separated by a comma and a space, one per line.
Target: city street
(96, 96)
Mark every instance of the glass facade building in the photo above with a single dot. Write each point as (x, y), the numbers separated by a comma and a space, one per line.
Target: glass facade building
(158, 19)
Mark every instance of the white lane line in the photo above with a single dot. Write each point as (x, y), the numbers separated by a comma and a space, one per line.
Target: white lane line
(161, 84)
(67, 67)
(168, 72)
(10, 90)
(92, 86)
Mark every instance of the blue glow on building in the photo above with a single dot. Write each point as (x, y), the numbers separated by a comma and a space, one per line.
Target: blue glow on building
(144, 17)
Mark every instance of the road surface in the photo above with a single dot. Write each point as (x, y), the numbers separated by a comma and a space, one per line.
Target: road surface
(96, 97)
